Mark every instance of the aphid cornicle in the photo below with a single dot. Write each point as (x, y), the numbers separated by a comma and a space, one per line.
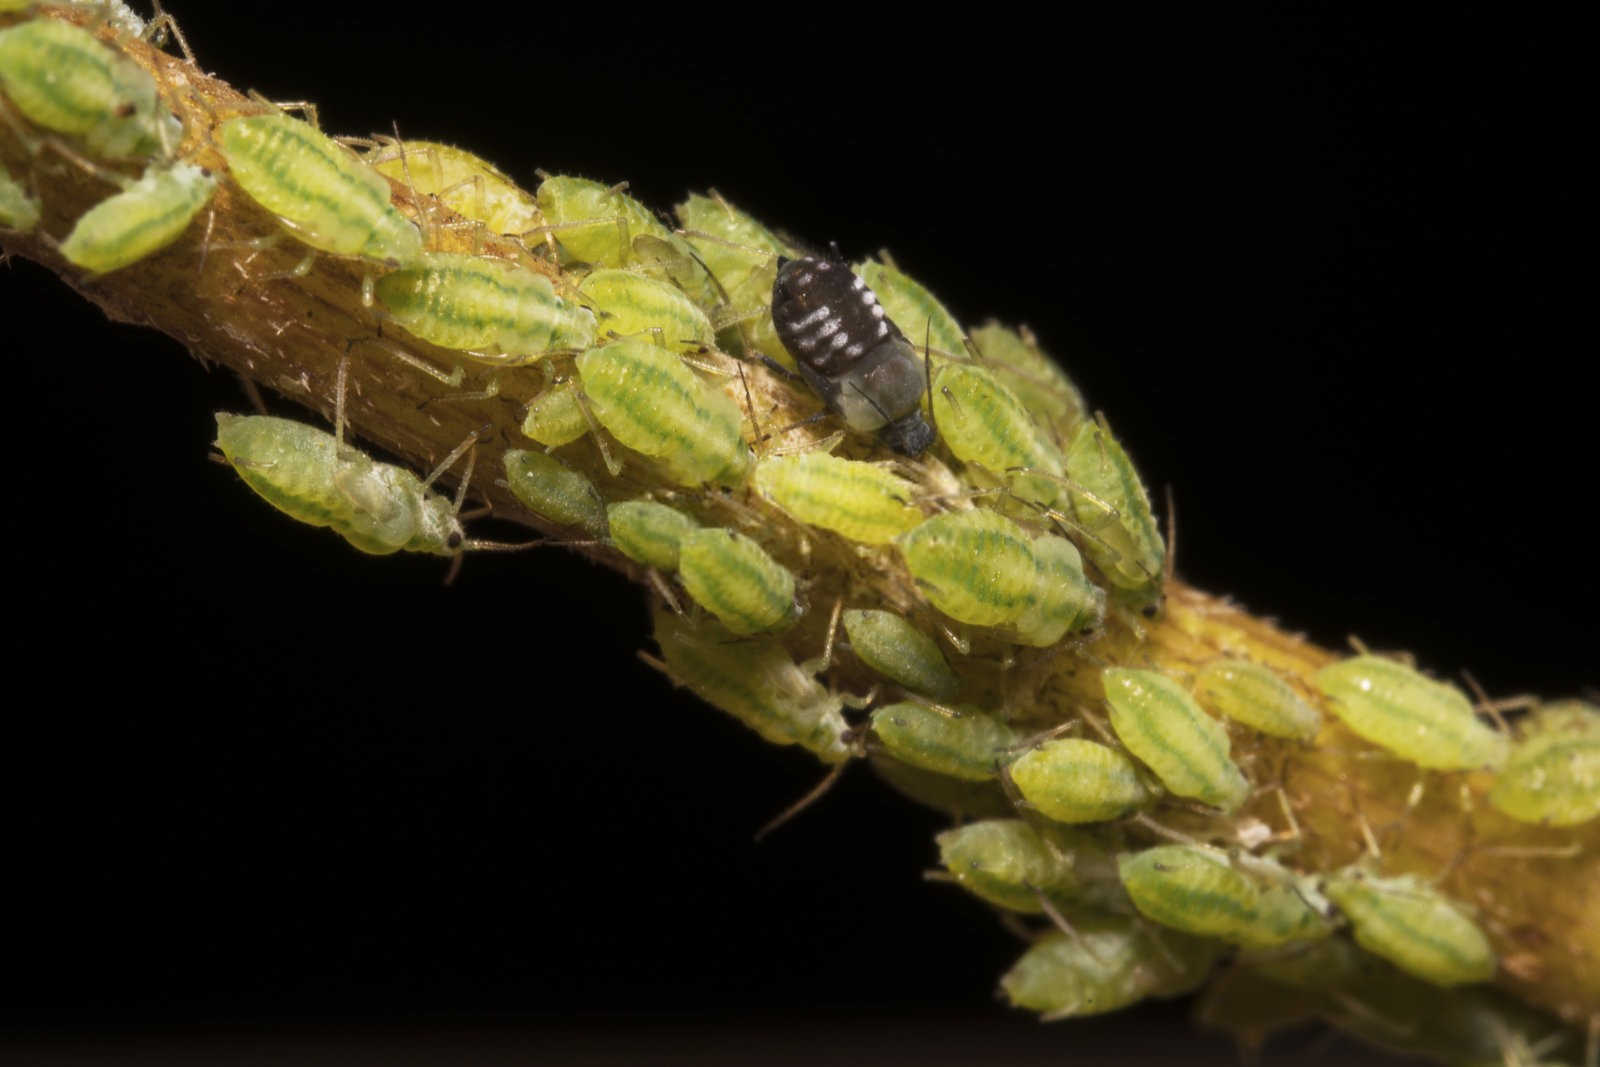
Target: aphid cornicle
(850, 352)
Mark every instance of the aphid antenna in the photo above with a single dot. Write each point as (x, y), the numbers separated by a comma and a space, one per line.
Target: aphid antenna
(307, 108)
(942, 877)
(820, 444)
(756, 435)
(423, 223)
(1013, 924)
(814, 794)
(87, 165)
(1494, 708)
(1035, 740)
(960, 642)
(1165, 831)
(1349, 1003)
(663, 588)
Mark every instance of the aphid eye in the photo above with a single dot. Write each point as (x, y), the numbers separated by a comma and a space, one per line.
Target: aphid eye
(453, 541)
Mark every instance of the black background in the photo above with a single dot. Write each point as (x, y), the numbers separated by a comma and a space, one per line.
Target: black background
(1316, 270)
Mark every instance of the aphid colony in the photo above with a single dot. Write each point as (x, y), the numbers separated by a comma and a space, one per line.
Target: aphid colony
(1015, 523)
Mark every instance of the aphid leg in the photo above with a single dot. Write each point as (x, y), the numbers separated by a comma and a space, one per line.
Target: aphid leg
(1494, 708)
(307, 108)
(750, 408)
(821, 665)
(815, 794)
(1060, 921)
(162, 24)
(451, 380)
(422, 221)
(659, 583)
(341, 379)
(612, 464)
(253, 394)
(1162, 831)
(87, 165)
(465, 448)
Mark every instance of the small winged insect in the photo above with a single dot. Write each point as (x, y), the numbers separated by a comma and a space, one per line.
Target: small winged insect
(850, 352)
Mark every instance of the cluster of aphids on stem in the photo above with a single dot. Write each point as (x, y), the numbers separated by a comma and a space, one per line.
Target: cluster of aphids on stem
(983, 514)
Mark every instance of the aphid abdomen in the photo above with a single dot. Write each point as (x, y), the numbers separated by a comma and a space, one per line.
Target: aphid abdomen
(900, 652)
(554, 491)
(467, 184)
(331, 200)
(983, 422)
(554, 417)
(1402, 710)
(1009, 862)
(968, 746)
(1173, 736)
(628, 304)
(1252, 694)
(1553, 775)
(384, 505)
(1414, 927)
(655, 405)
(143, 219)
(976, 566)
(850, 352)
(289, 465)
(857, 500)
(1072, 780)
(1110, 962)
(1064, 600)
(1123, 541)
(732, 577)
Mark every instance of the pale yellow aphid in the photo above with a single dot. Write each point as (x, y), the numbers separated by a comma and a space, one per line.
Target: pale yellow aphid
(970, 745)
(976, 566)
(1162, 725)
(1553, 774)
(858, 500)
(732, 577)
(1072, 780)
(627, 304)
(555, 416)
(649, 533)
(1252, 694)
(757, 682)
(1064, 600)
(141, 220)
(554, 491)
(655, 405)
(1413, 926)
(492, 311)
(469, 185)
(1402, 710)
(327, 197)
(900, 652)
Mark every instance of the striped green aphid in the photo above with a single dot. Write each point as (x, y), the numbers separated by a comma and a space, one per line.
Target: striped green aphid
(651, 402)
(310, 475)
(552, 490)
(1403, 711)
(900, 652)
(976, 566)
(963, 742)
(1200, 891)
(983, 422)
(555, 417)
(1064, 601)
(627, 304)
(649, 533)
(62, 78)
(490, 310)
(141, 220)
(1553, 774)
(1072, 780)
(743, 256)
(732, 577)
(1015, 358)
(1253, 695)
(861, 501)
(918, 312)
(756, 681)
(1011, 862)
(1106, 497)
(469, 185)
(602, 226)
(1172, 735)
(318, 189)
(1110, 962)
(19, 209)
(1413, 926)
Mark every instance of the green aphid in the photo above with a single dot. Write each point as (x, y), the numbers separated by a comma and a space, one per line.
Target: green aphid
(552, 490)
(1109, 501)
(19, 209)
(1199, 891)
(1414, 927)
(329, 199)
(1011, 862)
(655, 405)
(490, 310)
(743, 256)
(141, 220)
(555, 416)
(757, 682)
(62, 78)
(626, 304)
(1016, 359)
(1064, 601)
(732, 577)
(1173, 736)
(1252, 694)
(970, 745)
(1418, 719)
(308, 475)
(1072, 780)
(649, 533)
(1112, 962)
(900, 652)
(469, 185)
(858, 500)
(976, 566)
(983, 422)
(1553, 774)
(916, 311)
(602, 226)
